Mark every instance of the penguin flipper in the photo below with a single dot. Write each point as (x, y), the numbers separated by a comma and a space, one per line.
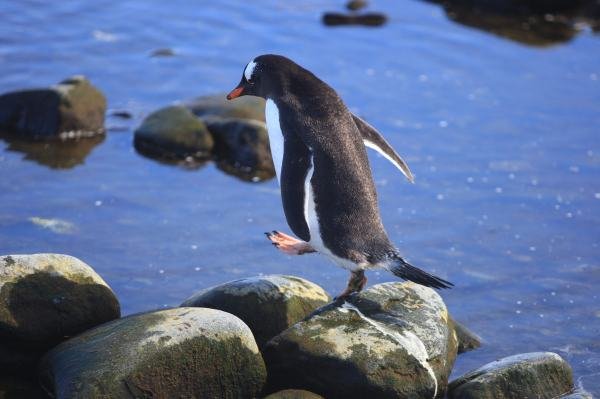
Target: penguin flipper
(373, 139)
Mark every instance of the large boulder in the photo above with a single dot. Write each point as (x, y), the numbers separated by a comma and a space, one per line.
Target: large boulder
(73, 108)
(393, 340)
(174, 353)
(173, 133)
(45, 298)
(242, 147)
(541, 375)
(247, 107)
(267, 304)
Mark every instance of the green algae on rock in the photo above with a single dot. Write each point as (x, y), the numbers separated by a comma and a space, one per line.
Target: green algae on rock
(392, 340)
(181, 352)
(541, 375)
(267, 304)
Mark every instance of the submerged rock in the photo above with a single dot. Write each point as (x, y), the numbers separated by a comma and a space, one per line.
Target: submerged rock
(173, 133)
(247, 107)
(392, 340)
(267, 304)
(293, 394)
(242, 147)
(368, 19)
(73, 108)
(175, 353)
(354, 5)
(538, 375)
(47, 297)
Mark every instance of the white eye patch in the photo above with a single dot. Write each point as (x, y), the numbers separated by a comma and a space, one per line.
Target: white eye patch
(249, 70)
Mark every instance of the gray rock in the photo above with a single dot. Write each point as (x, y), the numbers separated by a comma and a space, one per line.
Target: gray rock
(242, 147)
(537, 375)
(45, 298)
(578, 394)
(467, 339)
(392, 340)
(267, 304)
(293, 394)
(174, 353)
(173, 133)
(247, 107)
(73, 108)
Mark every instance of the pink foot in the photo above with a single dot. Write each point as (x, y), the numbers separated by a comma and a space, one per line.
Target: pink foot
(288, 244)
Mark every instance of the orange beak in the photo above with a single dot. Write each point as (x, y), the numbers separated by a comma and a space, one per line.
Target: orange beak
(235, 93)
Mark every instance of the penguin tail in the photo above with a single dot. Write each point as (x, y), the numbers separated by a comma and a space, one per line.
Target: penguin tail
(401, 268)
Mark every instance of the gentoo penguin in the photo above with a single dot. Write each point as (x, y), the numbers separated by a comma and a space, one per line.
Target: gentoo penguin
(328, 194)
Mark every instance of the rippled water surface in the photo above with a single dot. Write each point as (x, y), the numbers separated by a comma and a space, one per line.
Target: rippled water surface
(502, 135)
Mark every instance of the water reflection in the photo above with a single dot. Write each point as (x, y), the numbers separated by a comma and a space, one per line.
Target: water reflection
(533, 23)
(55, 154)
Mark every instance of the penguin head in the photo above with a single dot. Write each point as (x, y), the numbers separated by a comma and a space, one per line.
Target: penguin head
(266, 76)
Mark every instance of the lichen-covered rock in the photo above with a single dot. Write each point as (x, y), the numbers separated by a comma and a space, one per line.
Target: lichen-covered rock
(242, 147)
(174, 353)
(267, 304)
(540, 375)
(173, 133)
(247, 107)
(467, 339)
(47, 297)
(392, 340)
(293, 394)
(73, 108)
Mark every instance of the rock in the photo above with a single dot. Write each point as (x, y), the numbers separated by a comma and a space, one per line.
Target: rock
(467, 340)
(530, 375)
(392, 340)
(578, 394)
(162, 52)
(73, 108)
(354, 5)
(368, 19)
(45, 298)
(246, 107)
(173, 133)
(267, 304)
(174, 353)
(16, 387)
(242, 147)
(293, 394)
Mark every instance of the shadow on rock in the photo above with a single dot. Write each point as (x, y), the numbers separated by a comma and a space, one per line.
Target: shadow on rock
(13, 387)
(531, 22)
(55, 154)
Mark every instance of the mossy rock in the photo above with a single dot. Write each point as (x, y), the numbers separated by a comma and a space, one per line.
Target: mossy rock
(540, 375)
(45, 298)
(293, 394)
(242, 147)
(73, 108)
(392, 340)
(173, 133)
(247, 107)
(174, 353)
(267, 304)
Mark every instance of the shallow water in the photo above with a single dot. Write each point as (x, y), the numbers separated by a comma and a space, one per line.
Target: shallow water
(501, 135)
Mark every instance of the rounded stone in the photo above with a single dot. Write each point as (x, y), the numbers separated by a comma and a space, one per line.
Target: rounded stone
(293, 394)
(541, 375)
(174, 353)
(47, 297)
(173, 133)
(392, 340)
(267, 304)
(467, 339)
(246, 107)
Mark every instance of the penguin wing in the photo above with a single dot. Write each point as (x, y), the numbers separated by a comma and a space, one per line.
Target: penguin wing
(373, 139)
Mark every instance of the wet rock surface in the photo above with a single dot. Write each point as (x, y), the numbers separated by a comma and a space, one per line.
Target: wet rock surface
(246, 107)
(45, 298)
(367, 19)
(73, 108)
(173, 133)
(578, 394)
(529, 375)
(293, 394)
(242, 147)
(392, 340)
(182, 352)
(267, 304)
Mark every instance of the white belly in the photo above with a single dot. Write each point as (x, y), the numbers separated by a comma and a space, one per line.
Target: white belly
(275, 136)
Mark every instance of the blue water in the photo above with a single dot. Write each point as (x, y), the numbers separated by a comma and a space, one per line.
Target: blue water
(503, 138)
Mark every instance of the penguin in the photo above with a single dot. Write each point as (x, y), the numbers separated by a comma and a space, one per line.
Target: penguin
(327, 189)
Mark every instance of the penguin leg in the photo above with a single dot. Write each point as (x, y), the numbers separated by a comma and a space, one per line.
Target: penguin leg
(356, 283)
(288, 244)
